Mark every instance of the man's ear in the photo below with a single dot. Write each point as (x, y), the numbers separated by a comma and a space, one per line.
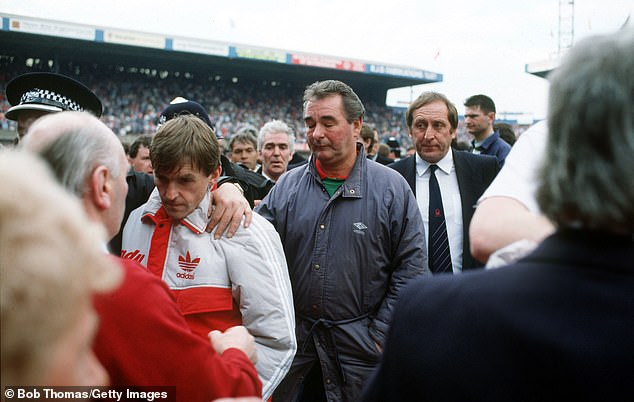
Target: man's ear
(356, 128)
(213, 177)
(101, 187)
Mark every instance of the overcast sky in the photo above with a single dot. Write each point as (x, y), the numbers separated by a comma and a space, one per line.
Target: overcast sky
(478, 46)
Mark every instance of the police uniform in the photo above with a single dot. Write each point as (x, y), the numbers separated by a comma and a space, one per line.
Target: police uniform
(49, 92)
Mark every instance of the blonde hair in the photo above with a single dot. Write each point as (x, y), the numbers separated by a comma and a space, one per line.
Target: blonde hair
(52, 259)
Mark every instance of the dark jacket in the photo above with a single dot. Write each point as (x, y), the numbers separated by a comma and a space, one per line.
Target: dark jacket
(349, 256)
(140, 186)
(474, 173)
(557, 325)
(383, 160)
(255, 186)
(495, 146)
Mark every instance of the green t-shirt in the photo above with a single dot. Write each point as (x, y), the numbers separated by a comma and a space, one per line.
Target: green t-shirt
(332, 185)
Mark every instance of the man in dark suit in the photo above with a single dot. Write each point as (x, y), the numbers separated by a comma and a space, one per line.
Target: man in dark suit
(557, 324)
(432, 121)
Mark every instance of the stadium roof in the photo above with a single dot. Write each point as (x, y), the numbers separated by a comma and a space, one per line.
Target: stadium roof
(63, 41)
(542, 68)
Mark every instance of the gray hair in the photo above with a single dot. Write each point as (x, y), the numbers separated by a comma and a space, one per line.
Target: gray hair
(587, 177)
(352, 105)
(74, 146)
(276, 126)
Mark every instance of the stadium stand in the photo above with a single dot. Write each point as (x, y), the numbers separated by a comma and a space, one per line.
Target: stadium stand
(133, 99)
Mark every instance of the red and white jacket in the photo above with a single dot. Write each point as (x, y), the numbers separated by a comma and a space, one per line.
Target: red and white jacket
(221, 283)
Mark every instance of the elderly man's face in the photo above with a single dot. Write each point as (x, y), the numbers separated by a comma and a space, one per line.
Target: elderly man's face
(431, 131)
(331, 138)
(276, 153)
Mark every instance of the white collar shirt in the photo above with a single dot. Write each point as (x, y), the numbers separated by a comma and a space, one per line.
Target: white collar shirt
(452, 205)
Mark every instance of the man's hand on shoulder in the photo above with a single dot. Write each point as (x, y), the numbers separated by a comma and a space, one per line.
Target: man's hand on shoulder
(226, 210)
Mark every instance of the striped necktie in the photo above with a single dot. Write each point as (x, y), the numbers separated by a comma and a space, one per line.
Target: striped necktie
(439, 255)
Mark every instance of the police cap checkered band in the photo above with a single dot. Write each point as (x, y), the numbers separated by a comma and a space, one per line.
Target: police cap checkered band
(49, 92)
(46, 97)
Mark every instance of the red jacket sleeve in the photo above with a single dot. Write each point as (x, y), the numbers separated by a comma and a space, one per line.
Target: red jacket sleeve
(143, 340)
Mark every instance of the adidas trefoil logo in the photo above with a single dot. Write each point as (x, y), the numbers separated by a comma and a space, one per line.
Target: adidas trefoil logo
(188, 265)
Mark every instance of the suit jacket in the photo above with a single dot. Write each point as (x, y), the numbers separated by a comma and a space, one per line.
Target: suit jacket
(383, 160)
(556, 325)
(474, 173)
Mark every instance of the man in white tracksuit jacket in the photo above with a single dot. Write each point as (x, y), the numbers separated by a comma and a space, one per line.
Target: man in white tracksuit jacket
(216, 283)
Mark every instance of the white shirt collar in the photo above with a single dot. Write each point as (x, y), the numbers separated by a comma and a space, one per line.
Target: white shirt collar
(445, 164)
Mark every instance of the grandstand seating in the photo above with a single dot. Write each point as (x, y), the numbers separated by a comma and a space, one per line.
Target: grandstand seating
(133, 99)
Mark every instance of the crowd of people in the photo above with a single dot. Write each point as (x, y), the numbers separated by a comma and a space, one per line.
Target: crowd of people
(134, 98)
(500, 272)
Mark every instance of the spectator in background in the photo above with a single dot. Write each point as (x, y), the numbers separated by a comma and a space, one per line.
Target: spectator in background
(153, 344)
(506, 132)
(126, 147)
(461, 177)
(244, 148)
(460, 145)
(353, 237)
(479, 117)
(33, 95)
(557, 324)
(383, 151)
(276, 143)
(370, 138)
(139, 154)
(395, 148)
(411, 151)
(218, 284)
(48, 279)
(366, 137)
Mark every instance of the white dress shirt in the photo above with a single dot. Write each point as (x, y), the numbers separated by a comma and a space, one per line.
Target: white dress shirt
(451, 201)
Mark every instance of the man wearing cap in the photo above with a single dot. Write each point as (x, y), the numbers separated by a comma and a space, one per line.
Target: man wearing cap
(253, 185)
(33, 95)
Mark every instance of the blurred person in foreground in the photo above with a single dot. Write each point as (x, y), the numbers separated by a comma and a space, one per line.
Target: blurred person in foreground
(46, 287)
(143, 339)
(507, 223)
(353, 238)
(556, 325)
(217, 283)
